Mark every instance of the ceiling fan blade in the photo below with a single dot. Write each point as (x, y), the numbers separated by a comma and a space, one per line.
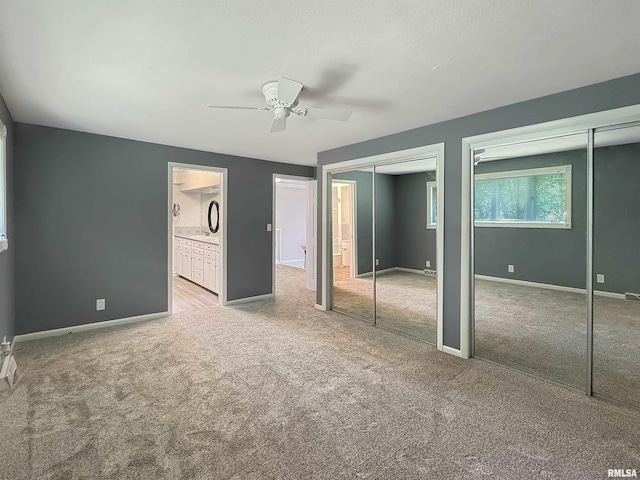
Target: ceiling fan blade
(288, 90)
(278, 124)
(259, 109)
(327, 114)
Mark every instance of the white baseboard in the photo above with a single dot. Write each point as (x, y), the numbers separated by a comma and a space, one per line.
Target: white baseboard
(378, 272)
(257, 298)
(600, 293)
(549, 286)
(390, 270)
(320, 307)
(88, 326)
(452, 351)
(410, 270)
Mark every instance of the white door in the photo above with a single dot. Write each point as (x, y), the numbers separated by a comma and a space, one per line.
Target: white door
(312, 236)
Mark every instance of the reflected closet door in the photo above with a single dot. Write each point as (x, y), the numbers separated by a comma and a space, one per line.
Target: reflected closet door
(405, 229)
(352, 242)
(530, 257)
(616, 260)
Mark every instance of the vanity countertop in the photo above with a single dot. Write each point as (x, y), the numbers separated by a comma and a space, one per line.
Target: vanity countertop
(201, 238)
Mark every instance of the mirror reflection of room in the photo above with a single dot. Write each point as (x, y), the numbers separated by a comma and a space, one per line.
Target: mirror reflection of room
(352, 245)
(405, 281)
(616, 230)
(530, 257)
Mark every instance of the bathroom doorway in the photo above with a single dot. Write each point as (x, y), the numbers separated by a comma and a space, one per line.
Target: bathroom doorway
(343, 211)
(197, 234)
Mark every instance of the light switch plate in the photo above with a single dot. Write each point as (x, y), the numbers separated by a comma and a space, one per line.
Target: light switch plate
(511, 268)
(100, 304)
(377, 261)
(268, 227)
(600, 278)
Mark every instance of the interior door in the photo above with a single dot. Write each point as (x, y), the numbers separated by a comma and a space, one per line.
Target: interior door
(530, 255)
(616, 276)
(353, 283)
(405, 243)
(311, 264)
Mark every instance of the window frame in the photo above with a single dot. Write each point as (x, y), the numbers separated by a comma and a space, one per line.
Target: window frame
(432, 220)
(4, 243)
(529, 172)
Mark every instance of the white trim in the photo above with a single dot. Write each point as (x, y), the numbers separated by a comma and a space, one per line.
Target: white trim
(4, 244)
(550, 286)
(27, 337)
(378, 272)
(224, 181)
(257, 298)
(452, 351)
(440, 249)
(320, 307)
(526, 283)
(436, 150)
(530, 172)
(411, 270)
(555, 128)
(601, 293)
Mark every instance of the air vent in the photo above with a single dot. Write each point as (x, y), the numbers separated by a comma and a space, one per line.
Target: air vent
(432, 273)
(635, 297)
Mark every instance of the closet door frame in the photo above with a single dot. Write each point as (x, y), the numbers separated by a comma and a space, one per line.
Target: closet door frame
(399, 156)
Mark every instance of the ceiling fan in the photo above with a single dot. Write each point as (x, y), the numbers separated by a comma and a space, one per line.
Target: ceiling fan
(282, 96)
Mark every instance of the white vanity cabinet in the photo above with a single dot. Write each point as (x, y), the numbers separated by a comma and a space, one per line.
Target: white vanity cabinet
(198, 262)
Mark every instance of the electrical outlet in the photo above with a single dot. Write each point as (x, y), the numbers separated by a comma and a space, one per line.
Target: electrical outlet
(511, 268)
(268, 227)
(428, 263)
(600, 278)
(377, 261)
(100, 304)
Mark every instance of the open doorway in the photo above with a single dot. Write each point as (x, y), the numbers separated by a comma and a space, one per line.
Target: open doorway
(343, 210)
(197, 231)
(293, 233)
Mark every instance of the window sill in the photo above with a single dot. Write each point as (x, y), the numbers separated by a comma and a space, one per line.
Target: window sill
(4, 244)
(563, 226)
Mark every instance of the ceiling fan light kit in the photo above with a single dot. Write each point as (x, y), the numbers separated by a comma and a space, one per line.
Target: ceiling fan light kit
(283, 96)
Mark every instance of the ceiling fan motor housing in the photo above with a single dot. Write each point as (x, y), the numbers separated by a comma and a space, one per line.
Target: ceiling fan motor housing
(270, 92)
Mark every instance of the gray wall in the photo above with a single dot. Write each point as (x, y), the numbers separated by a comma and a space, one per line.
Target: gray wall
(415, 243)
(616, 211)
(616, 93)
(92, 223)
(544, 255)
(7, 258)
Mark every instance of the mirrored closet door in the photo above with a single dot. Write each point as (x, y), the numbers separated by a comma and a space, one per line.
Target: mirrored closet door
(352, 242)
(530, 251)
(616, 261)
(405, 245)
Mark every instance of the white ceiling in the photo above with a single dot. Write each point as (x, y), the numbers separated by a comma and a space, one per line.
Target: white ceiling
(145, 70)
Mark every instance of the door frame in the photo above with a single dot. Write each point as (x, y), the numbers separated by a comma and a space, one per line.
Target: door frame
(354, 225)
(273, 223)
(584, 124)
(224, 173)
(399, 156)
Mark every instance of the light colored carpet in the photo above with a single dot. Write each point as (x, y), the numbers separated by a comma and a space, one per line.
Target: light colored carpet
(544, 332)
(278, 389)
(405, 302)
